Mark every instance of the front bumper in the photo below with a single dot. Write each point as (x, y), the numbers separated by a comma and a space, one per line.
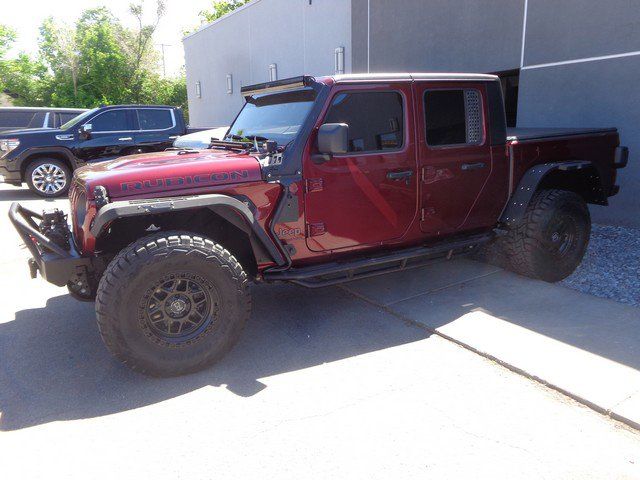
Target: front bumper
(55, 264)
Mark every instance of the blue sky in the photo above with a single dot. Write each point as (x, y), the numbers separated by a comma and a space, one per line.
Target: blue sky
(26, 16)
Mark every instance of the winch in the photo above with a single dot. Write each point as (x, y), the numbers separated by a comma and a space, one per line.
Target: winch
(54, 226)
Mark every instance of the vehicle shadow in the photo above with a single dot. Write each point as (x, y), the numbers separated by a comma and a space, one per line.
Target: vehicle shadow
(14, 194)
(23, 195)
(54, 366)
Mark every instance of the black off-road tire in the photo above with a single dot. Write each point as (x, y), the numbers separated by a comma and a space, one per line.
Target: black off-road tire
(549, 242)
(135, 283)
(57, 166)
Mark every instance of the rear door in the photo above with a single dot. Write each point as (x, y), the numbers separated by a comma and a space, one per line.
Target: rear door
(453, 153)
(368, 195)
(112, 135)
(156, 128)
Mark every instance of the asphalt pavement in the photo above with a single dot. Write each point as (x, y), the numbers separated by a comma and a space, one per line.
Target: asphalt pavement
(381, 379)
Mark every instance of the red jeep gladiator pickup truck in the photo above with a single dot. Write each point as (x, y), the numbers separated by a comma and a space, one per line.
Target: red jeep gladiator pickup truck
(317, 181)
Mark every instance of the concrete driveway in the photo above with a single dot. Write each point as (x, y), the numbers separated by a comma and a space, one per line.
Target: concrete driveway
(346, 382)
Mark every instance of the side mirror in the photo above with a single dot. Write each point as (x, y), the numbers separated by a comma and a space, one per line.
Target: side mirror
(333, 138)
(85, 130)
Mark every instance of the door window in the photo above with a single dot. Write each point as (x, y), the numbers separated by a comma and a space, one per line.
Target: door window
(66, 117)
(453, 117)
(375, 119)
(37, 121)
(155, 119)
(110, 121)
(15, 119)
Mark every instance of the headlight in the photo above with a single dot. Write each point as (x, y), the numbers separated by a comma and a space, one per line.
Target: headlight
(8, 144)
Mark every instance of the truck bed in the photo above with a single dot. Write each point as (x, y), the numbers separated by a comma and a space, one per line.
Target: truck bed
(524, 134)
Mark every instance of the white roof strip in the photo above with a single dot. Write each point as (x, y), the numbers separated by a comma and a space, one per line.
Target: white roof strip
(363, 77)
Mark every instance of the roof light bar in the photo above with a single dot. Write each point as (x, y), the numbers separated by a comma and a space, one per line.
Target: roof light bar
(277, 86)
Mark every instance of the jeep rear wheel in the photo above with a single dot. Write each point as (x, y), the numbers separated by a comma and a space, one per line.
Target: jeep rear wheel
(172, 303)
(48, 177)
(551, 239)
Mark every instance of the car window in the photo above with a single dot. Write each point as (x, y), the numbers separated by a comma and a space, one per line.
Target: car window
(37, 121)
(110, 121)
(453, 117)
(66, 117)
(15, 119)
(154, 119)
(276, 116)
(375, 119)
(79, 119)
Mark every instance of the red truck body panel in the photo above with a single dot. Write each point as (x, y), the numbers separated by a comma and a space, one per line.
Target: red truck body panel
(597, 147)
(349, 203)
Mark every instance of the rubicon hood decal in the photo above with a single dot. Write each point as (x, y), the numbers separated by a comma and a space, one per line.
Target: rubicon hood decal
(196, 180)
(166, 171)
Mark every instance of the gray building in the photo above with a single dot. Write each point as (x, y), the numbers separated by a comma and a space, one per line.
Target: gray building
(574, 63)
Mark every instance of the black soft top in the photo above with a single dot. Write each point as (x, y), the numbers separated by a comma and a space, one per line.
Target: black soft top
(521, 134)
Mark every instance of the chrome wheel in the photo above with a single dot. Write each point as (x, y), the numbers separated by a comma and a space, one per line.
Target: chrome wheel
(49, 178)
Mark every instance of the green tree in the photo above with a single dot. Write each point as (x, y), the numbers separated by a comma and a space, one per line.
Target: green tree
(97, 60)
(22, 77)
(7, 37)
(26, 80)
(218, 9)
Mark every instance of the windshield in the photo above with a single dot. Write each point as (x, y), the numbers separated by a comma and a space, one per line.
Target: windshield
(78, 119)
(276, 116)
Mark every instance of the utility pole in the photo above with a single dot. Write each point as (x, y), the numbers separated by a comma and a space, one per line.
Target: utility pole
(164, 65)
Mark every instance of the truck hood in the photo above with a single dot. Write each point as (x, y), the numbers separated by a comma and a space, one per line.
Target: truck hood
(26, 132)
(169, 171)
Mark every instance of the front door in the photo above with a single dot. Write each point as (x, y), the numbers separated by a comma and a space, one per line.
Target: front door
(453, 153)
(369, 194)
(111, 136)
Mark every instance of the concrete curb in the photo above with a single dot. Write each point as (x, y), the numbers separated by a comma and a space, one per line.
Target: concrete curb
(520, 371)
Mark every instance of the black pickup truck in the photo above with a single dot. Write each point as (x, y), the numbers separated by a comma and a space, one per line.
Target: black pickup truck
(45, 158)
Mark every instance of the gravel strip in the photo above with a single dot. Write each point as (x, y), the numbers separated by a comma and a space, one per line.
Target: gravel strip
(611, 266)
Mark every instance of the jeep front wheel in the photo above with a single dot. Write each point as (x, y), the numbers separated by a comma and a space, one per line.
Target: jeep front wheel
(172, 303)
(551, 239)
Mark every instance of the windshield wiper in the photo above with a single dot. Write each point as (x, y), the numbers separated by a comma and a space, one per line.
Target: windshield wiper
(251, 138)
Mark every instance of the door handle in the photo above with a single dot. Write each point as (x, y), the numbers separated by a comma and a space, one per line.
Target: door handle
(125, 139)
(400, 175)
(473, 166)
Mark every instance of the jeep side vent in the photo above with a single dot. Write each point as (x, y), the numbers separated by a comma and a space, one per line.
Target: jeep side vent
(474, 116)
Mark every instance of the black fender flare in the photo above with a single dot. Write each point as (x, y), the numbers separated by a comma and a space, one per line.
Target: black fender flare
(42, 151)
(223, 205)
(523, 194)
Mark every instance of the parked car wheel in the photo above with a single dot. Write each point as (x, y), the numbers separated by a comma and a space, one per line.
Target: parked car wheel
(550, 241)
(172, 303)
(48, 177)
